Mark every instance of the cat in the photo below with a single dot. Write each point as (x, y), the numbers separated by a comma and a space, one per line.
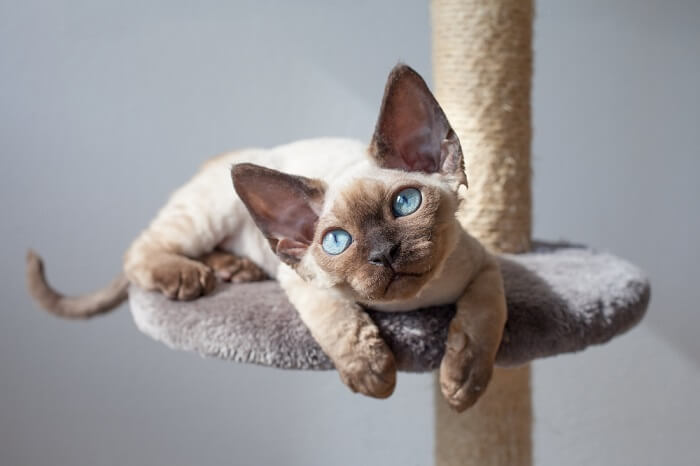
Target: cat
(341, 226)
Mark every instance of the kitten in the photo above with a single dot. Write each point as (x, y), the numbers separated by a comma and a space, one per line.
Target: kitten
(342, 227)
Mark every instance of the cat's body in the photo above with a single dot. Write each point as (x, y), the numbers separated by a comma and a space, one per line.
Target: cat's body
(342, 226)
(225, 222)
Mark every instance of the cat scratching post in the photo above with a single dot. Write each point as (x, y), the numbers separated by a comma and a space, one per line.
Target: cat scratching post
(482, 60)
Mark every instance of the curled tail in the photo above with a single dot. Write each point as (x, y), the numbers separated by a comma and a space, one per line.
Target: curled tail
(72, 307)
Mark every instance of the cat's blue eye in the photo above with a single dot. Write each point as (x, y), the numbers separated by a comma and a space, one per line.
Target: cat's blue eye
(406, 202)
(336, 241)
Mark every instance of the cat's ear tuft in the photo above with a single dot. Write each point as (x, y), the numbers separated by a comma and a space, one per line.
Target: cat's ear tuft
(412, 131)
(284, 207)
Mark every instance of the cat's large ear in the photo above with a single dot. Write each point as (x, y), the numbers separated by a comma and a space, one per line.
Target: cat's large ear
(284, 207)
(412, 132)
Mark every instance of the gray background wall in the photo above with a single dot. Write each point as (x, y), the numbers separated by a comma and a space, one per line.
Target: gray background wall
(105, 107)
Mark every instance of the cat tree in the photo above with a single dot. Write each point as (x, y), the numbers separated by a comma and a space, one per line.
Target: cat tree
(561, 298)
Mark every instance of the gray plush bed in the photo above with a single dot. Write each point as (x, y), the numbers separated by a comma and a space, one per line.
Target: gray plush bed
(561, 298)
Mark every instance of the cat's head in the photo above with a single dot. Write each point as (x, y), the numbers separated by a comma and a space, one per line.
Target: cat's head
(384, 231)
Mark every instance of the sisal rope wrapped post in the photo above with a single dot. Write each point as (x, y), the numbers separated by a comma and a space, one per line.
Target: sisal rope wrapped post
(482, 68)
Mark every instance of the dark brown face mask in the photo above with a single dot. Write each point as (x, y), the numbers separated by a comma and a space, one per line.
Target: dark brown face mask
(386, 247)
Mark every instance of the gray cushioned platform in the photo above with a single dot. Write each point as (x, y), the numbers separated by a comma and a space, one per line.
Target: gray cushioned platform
(561, 299)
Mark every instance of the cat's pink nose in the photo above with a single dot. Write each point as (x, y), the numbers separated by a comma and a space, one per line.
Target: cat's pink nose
(384, 253)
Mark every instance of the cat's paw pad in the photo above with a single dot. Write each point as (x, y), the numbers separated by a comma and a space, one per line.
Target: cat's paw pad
(464, 375)
(181, 278)
(370, 370)
(231, 268)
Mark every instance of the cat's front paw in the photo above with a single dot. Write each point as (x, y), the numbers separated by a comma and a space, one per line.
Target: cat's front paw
(465, 371)
(180, 278)
(369, 369)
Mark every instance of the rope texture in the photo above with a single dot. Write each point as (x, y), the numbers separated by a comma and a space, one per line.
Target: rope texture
(482, 67)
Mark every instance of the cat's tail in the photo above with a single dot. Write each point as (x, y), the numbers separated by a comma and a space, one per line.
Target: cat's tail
(72, 307)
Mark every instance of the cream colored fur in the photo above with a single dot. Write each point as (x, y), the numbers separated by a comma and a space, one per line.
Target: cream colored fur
(206, 213)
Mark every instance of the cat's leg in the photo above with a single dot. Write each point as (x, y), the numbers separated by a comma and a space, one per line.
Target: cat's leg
(473, 339)
(232, 268)
(346, 334)
(196, 219)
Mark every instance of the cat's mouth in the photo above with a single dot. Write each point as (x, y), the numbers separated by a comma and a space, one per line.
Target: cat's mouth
(398, 276)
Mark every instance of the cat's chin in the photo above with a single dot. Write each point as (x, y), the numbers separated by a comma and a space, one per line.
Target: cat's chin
(403, 286)
(398, 287)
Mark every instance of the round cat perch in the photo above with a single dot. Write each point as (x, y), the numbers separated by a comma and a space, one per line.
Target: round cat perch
(561, 298)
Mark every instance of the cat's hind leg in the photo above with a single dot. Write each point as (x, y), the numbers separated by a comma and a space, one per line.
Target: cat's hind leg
(229, 267)
(196, 218)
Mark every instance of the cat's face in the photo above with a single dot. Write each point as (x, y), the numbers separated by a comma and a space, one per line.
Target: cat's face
(381, 233)
(385, 236)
